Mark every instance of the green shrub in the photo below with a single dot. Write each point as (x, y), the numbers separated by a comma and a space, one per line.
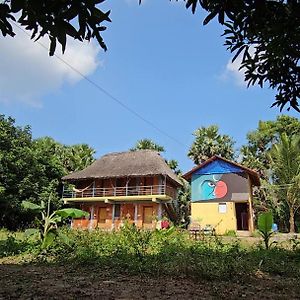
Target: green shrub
(11, 245)
(161, 252)
(230, 233)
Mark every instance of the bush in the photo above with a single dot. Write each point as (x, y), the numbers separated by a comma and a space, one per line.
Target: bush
(163, 252)
(11, 245)
(231, 233)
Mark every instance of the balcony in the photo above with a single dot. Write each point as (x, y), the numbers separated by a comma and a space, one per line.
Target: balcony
(160, 192)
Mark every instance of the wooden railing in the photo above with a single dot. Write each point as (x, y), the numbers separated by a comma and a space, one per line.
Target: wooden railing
(121, 191)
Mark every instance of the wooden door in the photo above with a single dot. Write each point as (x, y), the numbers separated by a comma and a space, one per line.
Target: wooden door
(102, 215)
(128, 212)
(147, 214)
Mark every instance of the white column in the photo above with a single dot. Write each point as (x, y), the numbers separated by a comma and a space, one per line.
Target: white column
(135, 214)
(159, 212)
(159, 216)
(93, 193)
(113, 217)
(92, 218)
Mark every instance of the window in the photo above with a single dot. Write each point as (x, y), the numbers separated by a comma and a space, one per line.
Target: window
(222, 208)
(117, 213)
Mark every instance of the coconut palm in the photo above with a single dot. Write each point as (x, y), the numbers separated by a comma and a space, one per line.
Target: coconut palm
(285, 157)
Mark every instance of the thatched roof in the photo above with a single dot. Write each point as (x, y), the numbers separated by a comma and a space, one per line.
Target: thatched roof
(126, 164)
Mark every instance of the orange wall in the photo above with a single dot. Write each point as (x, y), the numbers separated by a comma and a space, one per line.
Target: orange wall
(126, 209)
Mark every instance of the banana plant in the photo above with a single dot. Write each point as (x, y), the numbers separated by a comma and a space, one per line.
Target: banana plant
(48, 223)
(265, 221)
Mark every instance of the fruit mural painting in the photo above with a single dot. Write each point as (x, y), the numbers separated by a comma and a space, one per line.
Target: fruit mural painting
(212, 187)
(219, 187)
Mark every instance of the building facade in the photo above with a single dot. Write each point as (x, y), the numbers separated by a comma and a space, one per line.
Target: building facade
(137, 187)
(221, 196)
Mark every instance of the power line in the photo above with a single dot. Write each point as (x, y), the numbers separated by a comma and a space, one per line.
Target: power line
(108, 94)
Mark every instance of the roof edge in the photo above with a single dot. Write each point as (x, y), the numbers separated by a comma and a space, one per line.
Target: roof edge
(253, 174)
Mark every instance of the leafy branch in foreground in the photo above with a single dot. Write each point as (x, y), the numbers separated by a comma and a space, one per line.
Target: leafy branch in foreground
(265, 35)
(49, 221)
(56, 19)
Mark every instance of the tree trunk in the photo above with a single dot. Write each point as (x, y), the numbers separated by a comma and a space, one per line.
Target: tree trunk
(292, 221)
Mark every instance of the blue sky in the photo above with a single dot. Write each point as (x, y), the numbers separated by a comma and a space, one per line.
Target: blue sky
(161, 62)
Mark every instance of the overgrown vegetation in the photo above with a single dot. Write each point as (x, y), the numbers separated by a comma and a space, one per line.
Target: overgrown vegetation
(31, 170)
(159, 253)
(49, 221)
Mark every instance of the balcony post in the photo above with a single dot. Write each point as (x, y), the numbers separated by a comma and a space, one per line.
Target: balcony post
(113, 217)
(91, 225)
(135, 214)
(94, 188)
(159, 212)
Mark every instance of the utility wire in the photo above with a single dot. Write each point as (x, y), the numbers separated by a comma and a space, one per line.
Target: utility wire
(108, 94)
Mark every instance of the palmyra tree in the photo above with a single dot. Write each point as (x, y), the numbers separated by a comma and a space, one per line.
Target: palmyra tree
(285, 157)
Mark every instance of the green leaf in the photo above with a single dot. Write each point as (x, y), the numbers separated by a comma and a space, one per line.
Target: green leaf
(265, 221)
(65, 239)
(48, 239)
(31, 231)
(71, 213)
(31, 206)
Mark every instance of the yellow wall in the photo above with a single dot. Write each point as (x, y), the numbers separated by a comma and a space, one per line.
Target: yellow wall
(208, 214)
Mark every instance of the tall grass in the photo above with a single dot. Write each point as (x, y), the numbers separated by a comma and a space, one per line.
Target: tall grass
(168, 253)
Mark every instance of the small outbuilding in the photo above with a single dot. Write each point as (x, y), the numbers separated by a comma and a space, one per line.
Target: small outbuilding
(222, 196)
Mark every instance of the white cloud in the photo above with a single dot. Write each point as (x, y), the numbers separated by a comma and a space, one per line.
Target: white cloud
(232, 72)
(27, 72)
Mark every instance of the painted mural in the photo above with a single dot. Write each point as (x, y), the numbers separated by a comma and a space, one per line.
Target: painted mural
(220, 187)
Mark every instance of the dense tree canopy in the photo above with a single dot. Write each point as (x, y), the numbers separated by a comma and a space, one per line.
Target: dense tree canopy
(18, 170)
(260, 141)
(256, 155)
(209, 142)
(31, 170)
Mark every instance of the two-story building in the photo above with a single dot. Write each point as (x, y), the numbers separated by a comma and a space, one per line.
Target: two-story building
(135, 186)
(222, 195)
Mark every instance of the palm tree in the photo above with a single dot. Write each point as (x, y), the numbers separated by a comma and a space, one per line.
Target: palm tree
(285, 157)
(81, 156)
(144, 144)
(209, 142)
(147, 144)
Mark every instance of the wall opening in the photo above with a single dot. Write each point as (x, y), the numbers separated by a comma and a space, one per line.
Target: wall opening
(242, 216)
